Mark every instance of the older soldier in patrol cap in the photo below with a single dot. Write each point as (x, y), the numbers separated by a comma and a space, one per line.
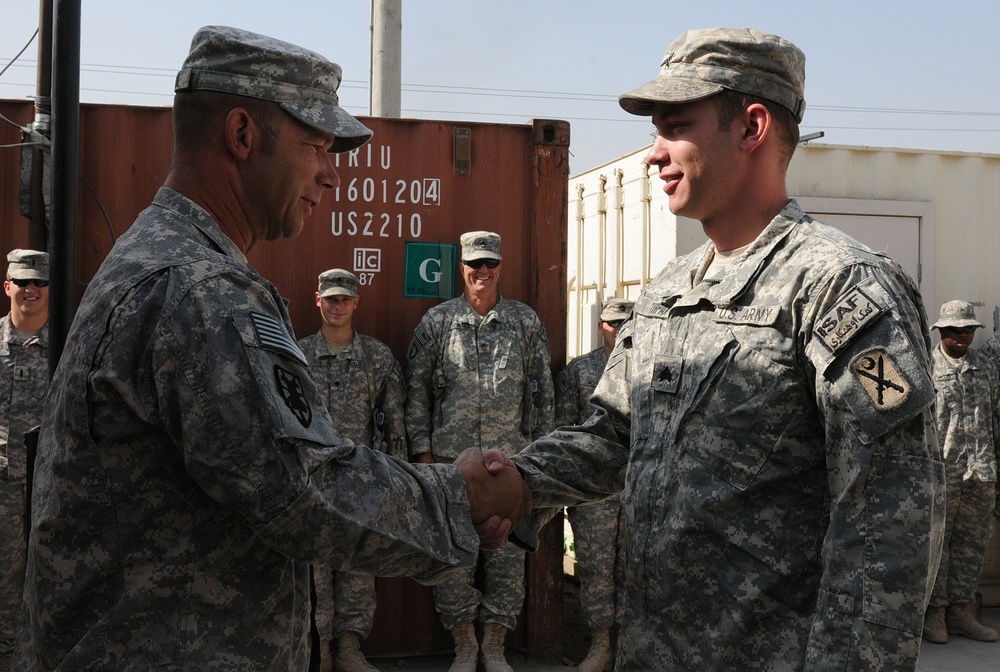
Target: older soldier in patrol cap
(968, 410)
(768, 408)
(479, 375)
(361, 384)
(187, 471)
(24, 376)
(595, 526)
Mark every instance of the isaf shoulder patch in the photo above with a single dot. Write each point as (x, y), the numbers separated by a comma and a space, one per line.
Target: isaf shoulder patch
(880, 378)
(847, 318)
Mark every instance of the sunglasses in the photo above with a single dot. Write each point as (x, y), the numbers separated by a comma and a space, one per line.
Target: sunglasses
(478, 263)
(615, 324)
(24, 283)
(959, 330)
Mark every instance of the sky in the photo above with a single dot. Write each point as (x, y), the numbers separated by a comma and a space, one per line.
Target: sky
(891, 73)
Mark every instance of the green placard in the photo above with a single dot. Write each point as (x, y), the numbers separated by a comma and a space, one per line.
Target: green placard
(430, 270)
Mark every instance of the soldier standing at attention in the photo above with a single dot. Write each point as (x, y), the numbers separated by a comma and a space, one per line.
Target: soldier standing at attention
(595, 526)
(968, 403)
(24, 380)
(187, 473)
(479, 375)
(361, 384)
(768, 408)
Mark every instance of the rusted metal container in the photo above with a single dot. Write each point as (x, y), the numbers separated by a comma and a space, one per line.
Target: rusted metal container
(395, 221)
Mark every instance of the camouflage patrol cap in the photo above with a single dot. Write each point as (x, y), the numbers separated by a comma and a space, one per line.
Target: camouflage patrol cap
(28, 265)
(957, 313)
(701, 63)
(480, 245)
(338, 282)
(231, 60)
(613, 310)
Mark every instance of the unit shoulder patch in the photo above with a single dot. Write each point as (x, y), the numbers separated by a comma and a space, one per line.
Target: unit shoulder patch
(880, 378)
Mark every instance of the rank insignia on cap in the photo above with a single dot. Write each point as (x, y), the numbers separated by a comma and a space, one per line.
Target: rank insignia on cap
(292, 393)
(880, 379)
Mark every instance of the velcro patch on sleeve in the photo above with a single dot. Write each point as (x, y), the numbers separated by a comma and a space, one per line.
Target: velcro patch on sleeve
(271, 333)
(880, 378)
(847, 318)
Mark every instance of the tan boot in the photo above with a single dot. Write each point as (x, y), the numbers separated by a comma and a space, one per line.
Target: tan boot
(466, 648)
(325, 656)
(491, 651)
(349, 657)
(600, 651)
(934, 630)
(961, 620)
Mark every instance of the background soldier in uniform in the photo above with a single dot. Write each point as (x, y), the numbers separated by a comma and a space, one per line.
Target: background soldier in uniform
(24, 380)
(968, 403)
(479, 375)
(770, 397)
(361, 384)
(595, 526)
(187, 473)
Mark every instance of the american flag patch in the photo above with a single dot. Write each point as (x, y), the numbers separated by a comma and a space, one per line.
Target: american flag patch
(271, 334)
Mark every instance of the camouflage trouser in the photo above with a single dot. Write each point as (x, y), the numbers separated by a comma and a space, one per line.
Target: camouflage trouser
(458, 601)
(967, 531)
(345, 602)
(595, 538)
(12, 556)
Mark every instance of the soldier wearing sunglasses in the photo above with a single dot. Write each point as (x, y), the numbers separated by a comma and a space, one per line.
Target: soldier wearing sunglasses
(968, 402)
(479, 376)
(24, 373)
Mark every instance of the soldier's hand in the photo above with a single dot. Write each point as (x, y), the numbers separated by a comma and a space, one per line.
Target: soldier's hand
(498, 496)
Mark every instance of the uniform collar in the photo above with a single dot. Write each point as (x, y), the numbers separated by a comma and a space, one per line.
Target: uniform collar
(189, 210)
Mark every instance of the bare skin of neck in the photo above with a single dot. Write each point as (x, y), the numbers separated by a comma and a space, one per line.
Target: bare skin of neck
(28, 324)
(338, 335)
(483, 302)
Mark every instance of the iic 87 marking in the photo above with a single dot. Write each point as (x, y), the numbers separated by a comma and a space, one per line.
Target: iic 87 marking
(404, 192)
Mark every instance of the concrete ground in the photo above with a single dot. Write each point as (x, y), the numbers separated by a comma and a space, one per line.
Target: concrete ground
(958, 655)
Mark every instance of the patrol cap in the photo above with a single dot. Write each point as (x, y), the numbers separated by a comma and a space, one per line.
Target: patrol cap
(231, 60)
(28, 265)
(701, 63)
(338, 282)
(613, 310)
(480, 245)
(957, 313)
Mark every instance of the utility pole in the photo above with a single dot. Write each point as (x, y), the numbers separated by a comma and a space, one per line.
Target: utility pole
(65, 168)
(39, 133)
(386, 58)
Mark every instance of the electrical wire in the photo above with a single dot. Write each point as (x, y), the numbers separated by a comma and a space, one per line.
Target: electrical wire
(32, 39)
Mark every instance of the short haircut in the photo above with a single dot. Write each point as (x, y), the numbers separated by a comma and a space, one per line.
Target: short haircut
(199, 114)
(731, 103)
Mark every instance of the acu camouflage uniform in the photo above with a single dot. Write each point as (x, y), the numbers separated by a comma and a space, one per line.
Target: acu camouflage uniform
(784, 493)
(24, 380)
(595, 526)
(362, 388)
(188, 474)
(968, 403)
(479, 381)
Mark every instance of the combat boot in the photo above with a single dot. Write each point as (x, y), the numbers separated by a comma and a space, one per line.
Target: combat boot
(961, 620)
(466, 648)
(492, 649)
(349, 657)
(600, 652)
(934, 630)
